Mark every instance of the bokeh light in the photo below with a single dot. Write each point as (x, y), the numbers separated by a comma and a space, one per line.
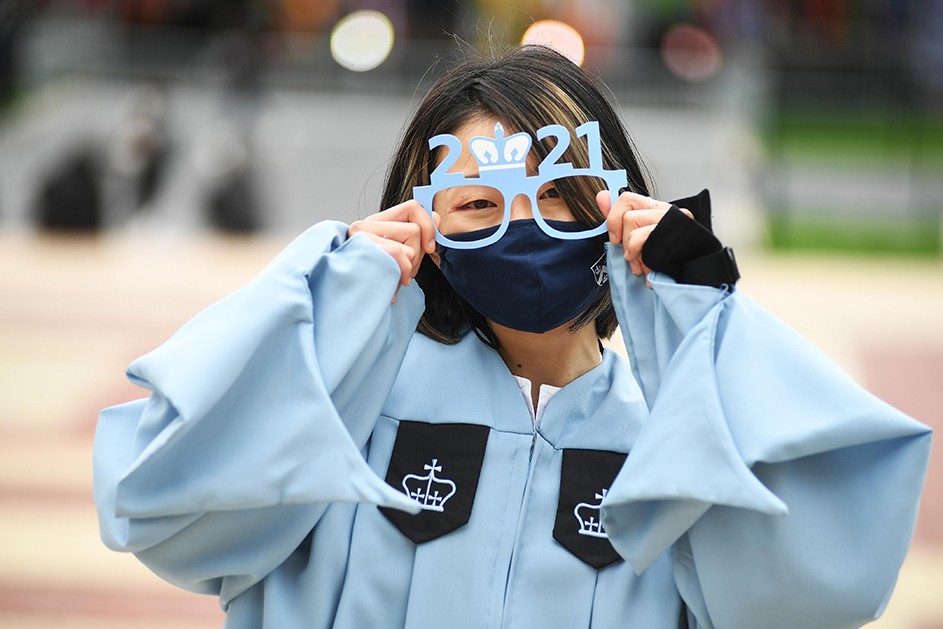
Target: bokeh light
(690, 52)
(557, 35)
(362, 40)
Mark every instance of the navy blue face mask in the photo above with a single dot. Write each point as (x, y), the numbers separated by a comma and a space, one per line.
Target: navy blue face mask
(527, 280)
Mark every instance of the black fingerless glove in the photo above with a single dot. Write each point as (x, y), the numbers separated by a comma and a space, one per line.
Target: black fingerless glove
(688, 251)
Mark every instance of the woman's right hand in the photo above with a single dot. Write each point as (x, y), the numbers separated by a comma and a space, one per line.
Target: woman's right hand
(405, 231)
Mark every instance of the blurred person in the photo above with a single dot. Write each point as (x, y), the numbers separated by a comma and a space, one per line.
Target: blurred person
(69, 198)
(338, 445)
(231, 204)
(224, 165)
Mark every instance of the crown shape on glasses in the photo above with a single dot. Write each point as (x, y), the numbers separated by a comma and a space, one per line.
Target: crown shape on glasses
(500, 152)
(502, 164)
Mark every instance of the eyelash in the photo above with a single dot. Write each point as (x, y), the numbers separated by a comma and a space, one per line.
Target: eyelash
(465, 206)
(549, 193)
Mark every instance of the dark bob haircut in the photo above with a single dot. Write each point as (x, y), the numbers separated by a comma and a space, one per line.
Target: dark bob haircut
(526, 88)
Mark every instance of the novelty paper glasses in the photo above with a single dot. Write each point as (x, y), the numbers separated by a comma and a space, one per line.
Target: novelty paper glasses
(476, 211)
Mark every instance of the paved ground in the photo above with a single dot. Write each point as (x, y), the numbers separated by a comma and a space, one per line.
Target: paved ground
(73, 313)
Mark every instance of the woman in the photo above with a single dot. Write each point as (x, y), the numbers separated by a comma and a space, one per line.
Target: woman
(313, 461)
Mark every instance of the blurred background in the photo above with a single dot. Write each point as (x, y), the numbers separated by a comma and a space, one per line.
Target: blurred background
(155, 154)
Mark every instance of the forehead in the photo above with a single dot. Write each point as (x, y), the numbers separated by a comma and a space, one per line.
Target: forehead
(477, 125)
(480, 125)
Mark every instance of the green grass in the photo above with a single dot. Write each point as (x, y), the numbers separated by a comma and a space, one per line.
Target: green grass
(915, 236)
(857, 137)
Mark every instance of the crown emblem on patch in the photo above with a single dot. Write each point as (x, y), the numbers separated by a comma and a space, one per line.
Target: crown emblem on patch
(589, 517)
(500, 152)
(600, 272)
(429, 491)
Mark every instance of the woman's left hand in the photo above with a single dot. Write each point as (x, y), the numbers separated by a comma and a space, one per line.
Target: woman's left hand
(630, 221)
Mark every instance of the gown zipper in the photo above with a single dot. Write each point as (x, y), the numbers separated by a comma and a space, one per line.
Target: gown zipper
(520, 516)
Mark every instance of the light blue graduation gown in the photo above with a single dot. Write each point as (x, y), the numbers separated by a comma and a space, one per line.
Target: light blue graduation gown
(762, 486)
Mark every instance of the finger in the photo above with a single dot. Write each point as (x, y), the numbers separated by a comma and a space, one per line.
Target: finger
(400, 253)
(408, 234)
(642, 202)
(651, 203)
(411, 212)
(686, 212)
(393, 230)
(655, 204)
(427, 226)
(629, 204)
(614, 213)
(639, 268)
(632, 247)
(613, 226)
(635, 240)
(640, 218)
(604, 201)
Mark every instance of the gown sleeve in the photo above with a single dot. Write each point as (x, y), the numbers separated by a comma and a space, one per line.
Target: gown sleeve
(786, 494)
(259, 411)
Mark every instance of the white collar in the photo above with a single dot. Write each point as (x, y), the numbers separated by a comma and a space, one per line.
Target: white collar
(546, 392)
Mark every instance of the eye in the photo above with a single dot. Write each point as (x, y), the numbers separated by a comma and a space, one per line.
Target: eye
(549, 193)
(470, 199)
(478, 204)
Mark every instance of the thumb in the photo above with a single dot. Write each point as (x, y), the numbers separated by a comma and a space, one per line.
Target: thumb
(604, 201)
